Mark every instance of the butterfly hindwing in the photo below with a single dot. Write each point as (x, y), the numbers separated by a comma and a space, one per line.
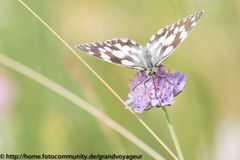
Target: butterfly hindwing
(166, 40)
(121, 51)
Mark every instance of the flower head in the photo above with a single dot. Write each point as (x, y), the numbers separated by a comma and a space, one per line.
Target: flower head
(7, 93)
(154, 91)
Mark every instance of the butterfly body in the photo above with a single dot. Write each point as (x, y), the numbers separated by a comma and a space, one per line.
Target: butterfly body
(147, 58)
(151, 71)
(128, 53)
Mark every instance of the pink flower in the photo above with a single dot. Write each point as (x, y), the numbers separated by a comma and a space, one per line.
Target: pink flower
(7, 93)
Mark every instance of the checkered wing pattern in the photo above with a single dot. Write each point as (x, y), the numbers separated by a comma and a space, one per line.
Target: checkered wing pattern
(121, 51)
(166, 40)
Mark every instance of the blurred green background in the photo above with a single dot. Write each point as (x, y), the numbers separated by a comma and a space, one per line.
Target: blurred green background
(33, 119)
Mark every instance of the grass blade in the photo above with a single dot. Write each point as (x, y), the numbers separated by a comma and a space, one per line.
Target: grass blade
(99, 78)
(28, 72)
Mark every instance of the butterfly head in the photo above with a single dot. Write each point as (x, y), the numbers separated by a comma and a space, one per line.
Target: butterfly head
(151, 71)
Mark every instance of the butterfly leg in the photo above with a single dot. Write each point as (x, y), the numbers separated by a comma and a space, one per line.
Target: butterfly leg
(165, 77)
(145, 84)
(145, 80)
(155, 88)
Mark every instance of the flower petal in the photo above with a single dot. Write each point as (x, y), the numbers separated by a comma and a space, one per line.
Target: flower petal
(155, 90)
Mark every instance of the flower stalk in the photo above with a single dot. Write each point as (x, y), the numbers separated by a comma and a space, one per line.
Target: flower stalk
(173, 134)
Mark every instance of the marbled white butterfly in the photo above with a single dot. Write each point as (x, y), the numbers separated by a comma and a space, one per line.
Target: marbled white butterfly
(128, 53)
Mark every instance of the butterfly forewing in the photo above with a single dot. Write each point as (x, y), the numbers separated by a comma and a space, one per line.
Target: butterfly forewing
(121, 51)
(128, 53)
(165, 41)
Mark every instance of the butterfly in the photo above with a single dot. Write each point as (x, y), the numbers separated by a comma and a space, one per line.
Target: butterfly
(128, 53)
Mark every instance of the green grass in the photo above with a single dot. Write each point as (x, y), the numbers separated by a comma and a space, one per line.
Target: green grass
(41, 121)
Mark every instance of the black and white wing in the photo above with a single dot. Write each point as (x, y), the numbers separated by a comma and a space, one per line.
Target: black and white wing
(121, 51)
(165, 41)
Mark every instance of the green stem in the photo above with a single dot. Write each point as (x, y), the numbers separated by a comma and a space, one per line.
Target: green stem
(173, 134)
